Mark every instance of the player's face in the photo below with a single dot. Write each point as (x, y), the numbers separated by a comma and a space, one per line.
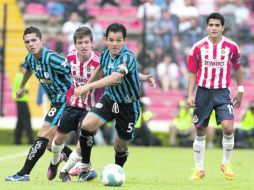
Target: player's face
(33, 44)
(214, 28)
(115, 43)
(84, 46)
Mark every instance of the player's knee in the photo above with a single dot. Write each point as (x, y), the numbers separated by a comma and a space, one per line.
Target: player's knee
(88, 127)
(120, 147)
(228, 129)
(121, 152)
(59, 139)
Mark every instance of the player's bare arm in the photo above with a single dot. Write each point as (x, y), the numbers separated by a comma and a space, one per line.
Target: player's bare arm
(102, 83)
(21, 89)
(147, 78)
(238, 98)
(191, 89)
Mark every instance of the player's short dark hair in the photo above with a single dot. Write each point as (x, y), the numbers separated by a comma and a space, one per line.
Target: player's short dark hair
(116, 27)
(31, 30)
(216, 16)
(81, 32)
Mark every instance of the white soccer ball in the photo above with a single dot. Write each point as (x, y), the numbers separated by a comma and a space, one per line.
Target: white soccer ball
(113, 175)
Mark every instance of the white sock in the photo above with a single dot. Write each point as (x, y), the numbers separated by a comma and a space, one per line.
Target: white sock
(228, 145)
(73, 159)
(199, 151)
(56, 150)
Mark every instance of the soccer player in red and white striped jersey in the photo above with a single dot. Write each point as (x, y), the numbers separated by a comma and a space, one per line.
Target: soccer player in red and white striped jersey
(83, 61)
(81, 72)
(209, 65)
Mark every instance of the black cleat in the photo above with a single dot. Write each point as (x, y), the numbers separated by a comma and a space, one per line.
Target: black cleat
(64, 176)
(52, 171)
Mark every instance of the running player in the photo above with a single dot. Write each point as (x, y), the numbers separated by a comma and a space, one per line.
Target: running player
(53, 72)
(121, 100)
(83, 61)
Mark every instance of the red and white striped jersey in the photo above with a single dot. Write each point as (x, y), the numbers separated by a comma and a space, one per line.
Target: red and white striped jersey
(213, 62)
(81, 72)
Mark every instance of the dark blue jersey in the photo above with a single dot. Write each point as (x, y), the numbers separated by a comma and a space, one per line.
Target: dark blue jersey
(53, 72)
(127, 90)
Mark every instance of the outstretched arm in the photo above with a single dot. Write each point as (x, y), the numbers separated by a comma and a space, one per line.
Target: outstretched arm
(26, 77)
(147, 78)
(102, 83)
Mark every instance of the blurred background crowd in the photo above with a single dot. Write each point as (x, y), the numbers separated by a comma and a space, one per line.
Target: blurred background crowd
(160, 33)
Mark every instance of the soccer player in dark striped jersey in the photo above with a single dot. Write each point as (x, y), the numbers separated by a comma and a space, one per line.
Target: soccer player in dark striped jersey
(121, 99)
(53, 73)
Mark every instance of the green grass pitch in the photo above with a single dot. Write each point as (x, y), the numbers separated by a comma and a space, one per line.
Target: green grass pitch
(146, 169)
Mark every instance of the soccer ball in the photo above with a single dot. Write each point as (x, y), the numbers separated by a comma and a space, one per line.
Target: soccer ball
(113, 175)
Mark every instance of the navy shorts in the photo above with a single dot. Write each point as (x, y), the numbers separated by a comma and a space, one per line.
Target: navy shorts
(54, 114)
(208, 100)
(126, 115)
(71, 119)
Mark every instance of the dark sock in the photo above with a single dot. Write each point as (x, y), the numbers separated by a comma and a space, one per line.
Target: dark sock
(66, 153)
(121, 158)
(36, 151)
(86, 140)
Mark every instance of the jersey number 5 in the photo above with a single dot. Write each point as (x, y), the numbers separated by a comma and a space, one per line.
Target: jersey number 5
(130, 127)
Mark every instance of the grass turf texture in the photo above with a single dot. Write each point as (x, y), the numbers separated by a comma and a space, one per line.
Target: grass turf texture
(146, 169)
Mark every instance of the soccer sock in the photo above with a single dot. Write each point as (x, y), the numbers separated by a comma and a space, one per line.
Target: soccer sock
(73, 159)
(199, 151)
(86, 143)
(66, 152)
(228, 145)
(121, 158)
(36, 151)
(56, 150)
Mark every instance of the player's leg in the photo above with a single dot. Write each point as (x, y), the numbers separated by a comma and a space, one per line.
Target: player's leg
(201, 116)
(98, 116)
(74, 158)
(126, 118)
(57, 147)
(40, 144)
(121, 151)
(69, 122)
(225, 116)
(36, 151)
(89, 125)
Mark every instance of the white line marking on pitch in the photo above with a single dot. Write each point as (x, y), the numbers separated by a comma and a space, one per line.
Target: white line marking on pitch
(12, 156)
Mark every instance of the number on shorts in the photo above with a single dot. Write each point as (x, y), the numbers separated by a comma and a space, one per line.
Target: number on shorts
(130, 127)
(231, 109)
(52, 112)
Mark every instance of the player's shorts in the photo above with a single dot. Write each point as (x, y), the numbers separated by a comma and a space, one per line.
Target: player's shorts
(126, 115)
(54, 114)
(209, 99)
(71, 119)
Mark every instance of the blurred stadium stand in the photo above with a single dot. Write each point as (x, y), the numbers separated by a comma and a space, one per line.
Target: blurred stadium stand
(163, 104)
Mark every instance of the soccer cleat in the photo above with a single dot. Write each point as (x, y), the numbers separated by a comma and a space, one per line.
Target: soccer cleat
(76, 170)
(17, 177)
(227, 171)
(86, 172)
(64, 176)
(52, 170)
(197, 174)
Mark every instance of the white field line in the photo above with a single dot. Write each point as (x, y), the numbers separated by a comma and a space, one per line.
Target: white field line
(12, 156)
